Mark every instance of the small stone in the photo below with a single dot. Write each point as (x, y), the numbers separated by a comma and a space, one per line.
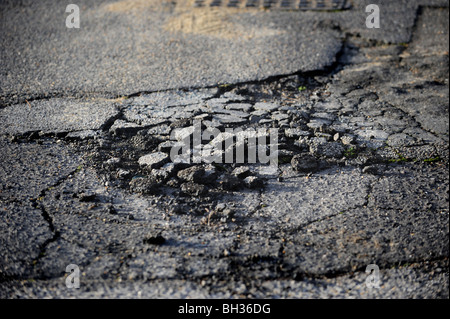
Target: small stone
(317, 140)
(302, 143)
(153, 160)
(193, 189)
(159, 174)
(330, 150)
(220, 207)
(233, 96)
(173, 182)
(318, 124)
(304, 163)
(170, 168)
(295, 133)
(160, 130)
(265, 121)
(122, 173)
(223, 111)
(284, 124)
(336, 137)
(202, 117)
(260, 113)
(347, 139)
(113, 161)
(326, 136)
(228, 213)
(142, 141)
(121, 127)
(181, 123)
(217, 102)
(255, 118)
(284, 154)
(241, 171)
(401, 139)
(324, 116)
(268, 107)
(280, 116)
(229, 119)
(144, 185)
(230, 182)
(371, 169)
(193, 174)
(253, 182)
(244, 107)
(166, 146)
(333, 105)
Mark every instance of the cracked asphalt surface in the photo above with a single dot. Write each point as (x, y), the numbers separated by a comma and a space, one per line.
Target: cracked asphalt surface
(88, 120)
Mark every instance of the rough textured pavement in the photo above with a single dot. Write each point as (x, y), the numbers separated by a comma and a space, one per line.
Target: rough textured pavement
(89, 117)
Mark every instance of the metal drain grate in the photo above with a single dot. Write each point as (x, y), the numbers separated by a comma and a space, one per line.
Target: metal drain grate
(276, 4)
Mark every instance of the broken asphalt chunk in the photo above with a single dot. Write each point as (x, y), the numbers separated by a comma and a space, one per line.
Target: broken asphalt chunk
(304, 163)
(56, 116)
(153, 160)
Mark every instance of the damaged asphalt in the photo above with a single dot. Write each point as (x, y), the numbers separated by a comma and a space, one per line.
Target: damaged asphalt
(88, 119)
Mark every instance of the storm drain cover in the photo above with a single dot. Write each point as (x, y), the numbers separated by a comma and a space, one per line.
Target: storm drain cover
(276, 4)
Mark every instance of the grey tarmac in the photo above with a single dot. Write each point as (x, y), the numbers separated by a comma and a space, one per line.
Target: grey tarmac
(89, 118)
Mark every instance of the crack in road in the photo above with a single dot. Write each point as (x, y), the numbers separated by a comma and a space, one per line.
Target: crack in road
(47, 217)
